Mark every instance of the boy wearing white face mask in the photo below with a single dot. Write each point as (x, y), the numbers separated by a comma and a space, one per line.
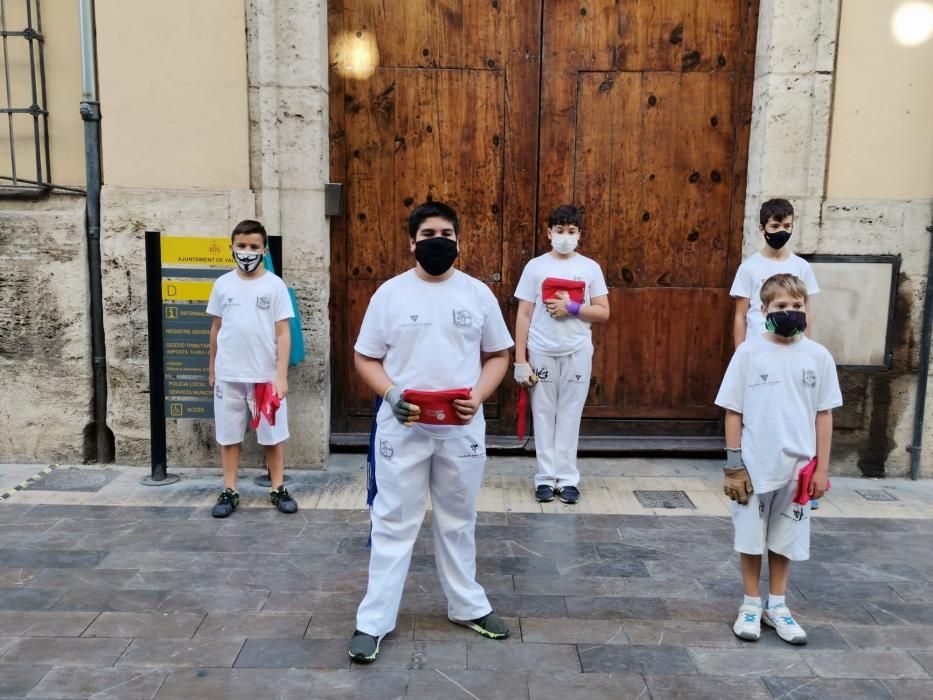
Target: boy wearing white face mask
(559, 295)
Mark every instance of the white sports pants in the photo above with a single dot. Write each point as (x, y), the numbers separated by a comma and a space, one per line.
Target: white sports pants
(556, 408)
(409, 465)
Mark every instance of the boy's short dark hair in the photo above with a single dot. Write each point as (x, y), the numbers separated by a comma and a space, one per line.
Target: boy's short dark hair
(778, 209)
(566, 215)
(425, 211)
(249, 226)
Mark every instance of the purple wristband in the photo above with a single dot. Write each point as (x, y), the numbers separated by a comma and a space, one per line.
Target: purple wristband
(573, 308)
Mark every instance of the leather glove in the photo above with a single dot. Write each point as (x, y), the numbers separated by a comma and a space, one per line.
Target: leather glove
(737, 484)
(524, 375)
(406, 413)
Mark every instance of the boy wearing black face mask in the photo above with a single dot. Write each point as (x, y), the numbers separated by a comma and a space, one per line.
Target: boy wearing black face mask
(249, 347)
(778, 392)
(777, 225)
(434, 330)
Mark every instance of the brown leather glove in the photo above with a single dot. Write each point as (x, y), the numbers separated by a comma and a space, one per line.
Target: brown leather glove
(737, 484)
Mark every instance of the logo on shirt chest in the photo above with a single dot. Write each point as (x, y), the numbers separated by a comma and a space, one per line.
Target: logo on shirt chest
(263, 302)
(411, 321)
(385, 449)
(463, 318)
(763, 378)
(809, 377)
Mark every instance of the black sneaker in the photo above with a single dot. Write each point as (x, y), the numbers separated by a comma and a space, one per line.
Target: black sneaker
(491, 626)
(569, 494)
(226, 503)
(363, 647)
(283, 501)
(544, 493)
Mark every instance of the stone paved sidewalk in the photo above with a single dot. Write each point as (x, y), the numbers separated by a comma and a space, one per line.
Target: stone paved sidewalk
(163, 601)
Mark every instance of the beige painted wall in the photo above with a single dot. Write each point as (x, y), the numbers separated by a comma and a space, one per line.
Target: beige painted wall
(173, 93)
(882, 140)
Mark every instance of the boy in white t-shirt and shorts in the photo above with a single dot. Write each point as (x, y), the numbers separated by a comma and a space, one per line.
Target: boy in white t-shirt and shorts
(779, 391)
(250, 343)
(430, 329)
(554, 349)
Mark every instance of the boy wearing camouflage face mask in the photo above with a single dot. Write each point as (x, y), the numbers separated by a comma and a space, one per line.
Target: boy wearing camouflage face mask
(778, 392)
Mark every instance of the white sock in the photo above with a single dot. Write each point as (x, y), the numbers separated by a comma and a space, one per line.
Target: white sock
(775, 600)
(750, 600)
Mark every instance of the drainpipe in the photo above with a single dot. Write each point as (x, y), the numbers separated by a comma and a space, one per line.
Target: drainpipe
(90, 113)
(923, 368)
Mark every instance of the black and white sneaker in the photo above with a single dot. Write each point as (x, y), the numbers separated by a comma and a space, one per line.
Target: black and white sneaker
(227, 502)
(569, 494)
(364, 648)
(544, 493)
(282, 500)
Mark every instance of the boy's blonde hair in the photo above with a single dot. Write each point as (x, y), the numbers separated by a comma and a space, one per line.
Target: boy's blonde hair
(784, 281)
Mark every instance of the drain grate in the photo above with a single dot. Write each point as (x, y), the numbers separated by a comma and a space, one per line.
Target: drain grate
(664, 499)
(89, 480)
(876, 495)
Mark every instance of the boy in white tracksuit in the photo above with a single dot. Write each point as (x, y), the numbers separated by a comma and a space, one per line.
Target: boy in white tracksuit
(554, 351)
(432, 328)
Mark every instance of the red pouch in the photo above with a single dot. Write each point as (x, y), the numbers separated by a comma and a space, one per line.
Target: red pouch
(437, 407)
(803, 483)
(267, 403)
(552, 285)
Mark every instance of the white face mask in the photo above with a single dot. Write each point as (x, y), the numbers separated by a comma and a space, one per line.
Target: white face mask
(246, 260)
(564, 243)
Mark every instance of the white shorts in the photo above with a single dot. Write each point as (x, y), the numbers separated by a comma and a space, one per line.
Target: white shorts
(772, 521)
(234, 406)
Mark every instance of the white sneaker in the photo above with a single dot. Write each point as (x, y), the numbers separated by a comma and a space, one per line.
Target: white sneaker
(748, 623)
(783, 623)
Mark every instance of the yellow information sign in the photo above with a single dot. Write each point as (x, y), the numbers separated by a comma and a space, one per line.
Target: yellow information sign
(211, 252)
(183, 290)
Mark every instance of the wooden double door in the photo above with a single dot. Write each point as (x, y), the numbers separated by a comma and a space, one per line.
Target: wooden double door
(638, 111)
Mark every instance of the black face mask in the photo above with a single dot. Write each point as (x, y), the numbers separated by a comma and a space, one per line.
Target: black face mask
(778, 239)
(436, 255)
(786, 323)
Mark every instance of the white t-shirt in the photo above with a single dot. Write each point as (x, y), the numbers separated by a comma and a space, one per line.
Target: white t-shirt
(778, 389)
(429, 335)
(246, 344)
(753, 273)
(566, 335)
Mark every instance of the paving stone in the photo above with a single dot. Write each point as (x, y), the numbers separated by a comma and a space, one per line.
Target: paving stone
(909, 690)
(438, 628)
(193, 579)
(892, 613)
(588, 686)
(341, 626)
(44, 624)
(416, 655)
(681, 567)
(226, 683)
(491, 655)
(101, 683)
(612, 568)
(914, 592)
(682, 633)
(64, 651)
(145, 625)
(91, 512)
(652, 588)
(701, 687)
(311, 602)
(646, 660)
(854, 592)
(253, 625)
(530, 565)
(111, 600)
(562, 585)
(556, 630)
(925, 659)
(294, 653)
(28, 598)
(863, 664)
(862, 571)
(224, 599)
(750, 660)
(488, 685)
(175, 652)
(63, 579)
(818, 637)
(617, 607)
(18, 679)
(51, 558)
(347, 685)
(825, 689)
(902, 637)
(528, 605)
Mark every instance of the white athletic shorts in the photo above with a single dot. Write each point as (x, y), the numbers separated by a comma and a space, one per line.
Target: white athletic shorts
(772, 521)
(234, 406)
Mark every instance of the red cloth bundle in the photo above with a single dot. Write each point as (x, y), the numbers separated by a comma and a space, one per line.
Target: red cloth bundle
(803, 483)
(552, 285)
(437, 407)
(267, 403)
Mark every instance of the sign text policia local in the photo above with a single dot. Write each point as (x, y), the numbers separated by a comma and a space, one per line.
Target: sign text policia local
(189, 268)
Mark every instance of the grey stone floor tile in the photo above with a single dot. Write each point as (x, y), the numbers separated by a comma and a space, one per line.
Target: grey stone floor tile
(901, 637)
(192, 579)
(562, 585)
(909, 690)
(28, 598)
(557, 630)
(750, 660)
(819, 637)
(131, 513)
(64, 651)
(894, 613)
(653, 588)
(348, 685)
(63, 579)
(585, 686)
(863, 664)
(312, 602)
(225, 683)
(145, 625)
(866, 571)
(512, 565)
(294, 653)
(516, 605)
(439, 628)
(680, 567)
(826, 689)
(225, 599)
(44, 624)
(617, 607)
(404, 654)
(90, 599)
(925, 659)
(18, 679)
(342, 625)
(853, 592)
(610, 568)
(101, 683)
(222, 625)
(707, 688)
(488, 685)
(492, 655)
(646, 660)
(51, 558)
(198, 653)
(682, 634)
(914, 591)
